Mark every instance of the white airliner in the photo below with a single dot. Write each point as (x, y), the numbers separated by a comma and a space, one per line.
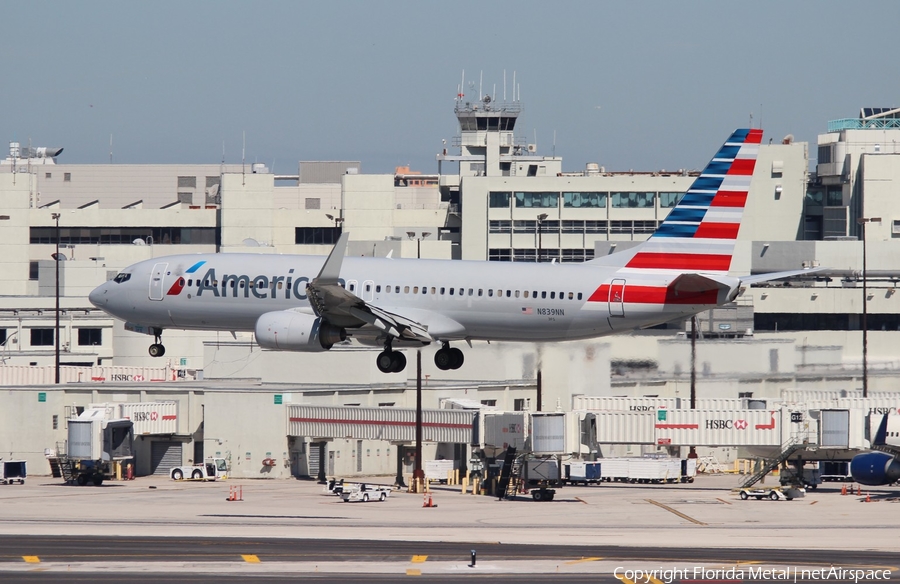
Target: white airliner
(305, 303)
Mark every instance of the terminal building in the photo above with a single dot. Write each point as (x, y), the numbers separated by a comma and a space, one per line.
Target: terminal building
(497, 199)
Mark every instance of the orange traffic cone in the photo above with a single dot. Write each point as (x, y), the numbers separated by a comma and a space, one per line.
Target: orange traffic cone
(868, 498)
(844, 490)
(858, 490)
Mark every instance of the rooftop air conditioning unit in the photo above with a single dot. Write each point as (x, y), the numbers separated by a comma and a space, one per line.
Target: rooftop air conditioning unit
(532, 148)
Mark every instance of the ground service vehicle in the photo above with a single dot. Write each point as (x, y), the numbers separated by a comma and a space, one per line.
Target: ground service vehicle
(12, 471)
(365, 493)
(211, 470)
(774, 493)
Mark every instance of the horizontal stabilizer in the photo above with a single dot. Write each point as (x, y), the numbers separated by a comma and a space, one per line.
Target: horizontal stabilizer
(757, 278)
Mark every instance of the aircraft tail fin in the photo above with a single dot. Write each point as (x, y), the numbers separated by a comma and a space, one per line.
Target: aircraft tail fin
(699, 233)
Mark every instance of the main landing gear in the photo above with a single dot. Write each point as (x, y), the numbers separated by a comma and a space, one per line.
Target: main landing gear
(157, 349)
(448, 357)
(390, 361)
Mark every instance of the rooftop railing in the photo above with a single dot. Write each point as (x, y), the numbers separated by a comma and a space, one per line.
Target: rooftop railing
(861, 124)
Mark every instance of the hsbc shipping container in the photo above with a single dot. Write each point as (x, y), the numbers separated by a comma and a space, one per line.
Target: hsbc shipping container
(718, 428)
(807, 395)
(499, 430)
(623, 427)
(878, 404)
(627, 404)
(151, 417)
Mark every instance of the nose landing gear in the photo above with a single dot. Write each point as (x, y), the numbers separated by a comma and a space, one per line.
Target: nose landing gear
(448, 357)
(157, 349)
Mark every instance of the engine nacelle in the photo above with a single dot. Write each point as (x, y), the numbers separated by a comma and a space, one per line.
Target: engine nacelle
(875, 468)
(293, 331)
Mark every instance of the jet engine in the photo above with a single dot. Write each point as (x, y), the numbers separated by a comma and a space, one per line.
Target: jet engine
(293, 331)
(875, 468)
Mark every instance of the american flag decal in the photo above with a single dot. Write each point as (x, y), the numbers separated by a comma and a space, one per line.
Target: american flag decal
(527, 310)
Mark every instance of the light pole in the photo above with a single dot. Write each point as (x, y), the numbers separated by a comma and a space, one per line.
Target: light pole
(865, 328)
(55, 217)
(412, 235)
(337, 220)
(418, 473)
(540, 219)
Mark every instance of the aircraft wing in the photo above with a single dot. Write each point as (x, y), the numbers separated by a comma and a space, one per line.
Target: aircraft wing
(331, 301)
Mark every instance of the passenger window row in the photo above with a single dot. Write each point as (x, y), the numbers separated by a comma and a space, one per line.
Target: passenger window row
(490, 292)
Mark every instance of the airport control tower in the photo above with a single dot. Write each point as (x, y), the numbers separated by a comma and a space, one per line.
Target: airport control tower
(487, 141)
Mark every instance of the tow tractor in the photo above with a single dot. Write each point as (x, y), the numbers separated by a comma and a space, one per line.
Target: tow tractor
(211, 470)
(365, 493)
(773, 493)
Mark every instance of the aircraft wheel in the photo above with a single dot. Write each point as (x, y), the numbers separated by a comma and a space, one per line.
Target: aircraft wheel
(744, 496)
(444, 359)
(458, 358)
(385, 361)
(398, 362)
(157, 350)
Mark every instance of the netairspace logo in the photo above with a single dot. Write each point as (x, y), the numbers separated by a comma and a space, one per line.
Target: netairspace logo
(759, 573)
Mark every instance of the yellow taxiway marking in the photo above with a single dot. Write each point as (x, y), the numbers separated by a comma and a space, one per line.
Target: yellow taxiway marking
(679, 513)
(814, 502)
(419, 559)
(250, 558)
(32, 559)
(723, 501)
(413, 572)
(584, 560)
(582, 500)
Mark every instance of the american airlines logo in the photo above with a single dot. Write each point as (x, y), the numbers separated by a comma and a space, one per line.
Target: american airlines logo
(260, 286)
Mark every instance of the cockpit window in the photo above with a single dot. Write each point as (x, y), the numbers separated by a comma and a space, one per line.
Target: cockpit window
(121, 278)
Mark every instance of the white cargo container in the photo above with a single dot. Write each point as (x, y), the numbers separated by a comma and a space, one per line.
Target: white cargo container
(548, 433)
(718, 428)
(626, 404)
(151, 417)
(624, 427)
(438, 470)
(647, 470)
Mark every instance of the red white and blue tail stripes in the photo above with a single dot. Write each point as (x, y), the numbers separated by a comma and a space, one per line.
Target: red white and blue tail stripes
(699, 233)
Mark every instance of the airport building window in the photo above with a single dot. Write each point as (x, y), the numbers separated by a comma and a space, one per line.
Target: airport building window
(541, 200)
(499, 200)
(587, 200)
(2, 336)
(595, 226)
(125, 235)
(313, 203)
(41, 337)
(500, 226)
(189, 182)
(186, 197)
(67, 177)
(549, 226)
(499, 255)
(524, 226)
(668, 200)
(92, 336)
(316, 235)
(33, 270)
(489, 402)
(633, 200)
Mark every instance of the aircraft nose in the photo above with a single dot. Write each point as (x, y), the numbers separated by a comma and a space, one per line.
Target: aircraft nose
(98, 296)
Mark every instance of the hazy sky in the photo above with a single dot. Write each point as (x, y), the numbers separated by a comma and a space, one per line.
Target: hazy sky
(632, 84)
